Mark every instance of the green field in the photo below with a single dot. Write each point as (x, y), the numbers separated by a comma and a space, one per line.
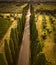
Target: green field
(11, 7)
(10, 48)
(4, 25)
(44, 6)
(46, 26)
(42, 32)
(9, 12)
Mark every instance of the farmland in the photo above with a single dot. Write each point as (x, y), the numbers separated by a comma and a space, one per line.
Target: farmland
(7, 17)
(13, 43)
(11, 7)
(28, 34)
(46, 26)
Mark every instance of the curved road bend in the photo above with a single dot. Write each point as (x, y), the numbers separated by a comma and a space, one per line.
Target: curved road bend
(25, 47)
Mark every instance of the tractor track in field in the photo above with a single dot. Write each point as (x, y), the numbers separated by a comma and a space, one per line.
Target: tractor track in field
(7, 35)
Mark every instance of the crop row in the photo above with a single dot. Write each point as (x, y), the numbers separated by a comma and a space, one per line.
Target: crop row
(12, 47)
(37, 56)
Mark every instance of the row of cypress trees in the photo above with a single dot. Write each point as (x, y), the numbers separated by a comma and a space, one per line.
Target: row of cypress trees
(37, 56)
(12, 47)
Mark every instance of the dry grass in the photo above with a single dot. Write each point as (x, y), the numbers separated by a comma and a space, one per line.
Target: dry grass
(48, 43)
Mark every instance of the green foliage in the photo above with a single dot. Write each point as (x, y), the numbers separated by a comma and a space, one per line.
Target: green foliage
(11, 44)
(21, 24)
(51, 20)
(11, 7)
(33, 30)
(55, 37)
(18, 24)
(15, 41)
(1, 16)
(3, 59)
(14, 44)
(8, 53)
(44, 23)
(4, 25)
(35, 49)
(41, 59)
(16, 36)
(19, 31)
(23, 19)
(53, 24)
(37, 58)
(12, 47)
(35, 44)
(44, 36)
(44, 28)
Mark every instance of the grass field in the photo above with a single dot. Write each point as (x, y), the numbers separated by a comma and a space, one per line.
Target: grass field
(44, 6)
(45, 29)
(4, 25)
(11, 7)
(42, 30)
(9, 12)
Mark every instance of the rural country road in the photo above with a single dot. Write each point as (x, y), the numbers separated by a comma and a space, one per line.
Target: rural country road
(25, 47)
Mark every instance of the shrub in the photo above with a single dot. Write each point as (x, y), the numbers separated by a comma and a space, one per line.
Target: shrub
(41, 59)
(8, 53)
(44, 36)
(3, 59)
(48, 30)
(11, 44)
(35, 44)
(44, 23)
(4, 25)
(19, 30)
(15, 18)
(11, 15)
(51, 20)
(1, 16)
(55, 38)
(15, 41)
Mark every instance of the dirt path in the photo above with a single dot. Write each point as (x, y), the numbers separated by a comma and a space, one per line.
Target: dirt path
(25, 48)
(7, 35)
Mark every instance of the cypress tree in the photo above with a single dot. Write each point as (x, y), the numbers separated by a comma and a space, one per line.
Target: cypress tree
(8, 53)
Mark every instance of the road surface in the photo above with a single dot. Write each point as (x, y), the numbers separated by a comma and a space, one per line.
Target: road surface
(25, 47)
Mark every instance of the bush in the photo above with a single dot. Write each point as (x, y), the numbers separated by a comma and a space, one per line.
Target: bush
(15, 41)
(35, 49)
(51, 20)
(11, 15)
(44, 23)
(3, 59)
(44, 36)
(4, 25)
(11, 44)
(8, 53)
(41, 59)
(1, 16)
(35, 43)
(19, 31)
(55, 38)
(21, 24)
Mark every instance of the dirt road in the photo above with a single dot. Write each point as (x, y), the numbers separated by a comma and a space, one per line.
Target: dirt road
(25, 48)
